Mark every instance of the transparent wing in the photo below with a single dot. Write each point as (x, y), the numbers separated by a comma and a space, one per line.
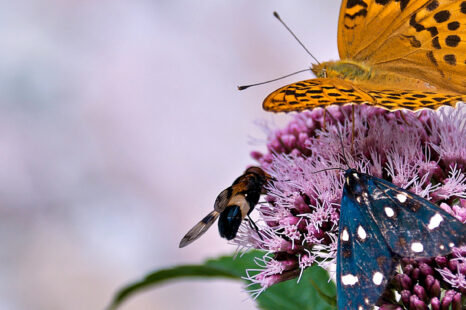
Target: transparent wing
(222, 199)
(199, 229)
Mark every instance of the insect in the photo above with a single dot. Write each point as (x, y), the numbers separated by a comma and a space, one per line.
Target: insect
(395, 54)
(232, 205)
(379, 223)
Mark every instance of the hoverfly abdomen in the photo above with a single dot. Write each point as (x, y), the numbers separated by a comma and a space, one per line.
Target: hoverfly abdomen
(229, 222)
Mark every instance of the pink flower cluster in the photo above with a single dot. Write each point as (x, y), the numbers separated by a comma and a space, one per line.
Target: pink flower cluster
(424, 152)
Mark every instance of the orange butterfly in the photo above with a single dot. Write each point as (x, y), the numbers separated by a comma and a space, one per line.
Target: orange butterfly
(396, 54)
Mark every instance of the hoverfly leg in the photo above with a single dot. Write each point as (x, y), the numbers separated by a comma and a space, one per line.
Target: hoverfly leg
(253, 225)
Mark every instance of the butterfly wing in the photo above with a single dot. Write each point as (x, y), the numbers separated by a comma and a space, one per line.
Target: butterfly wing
(364, 262)
(411, 225)
(414, 51)
(314, 93)
(422, 39)
(321, 92)
(364, 23)
(412, 100)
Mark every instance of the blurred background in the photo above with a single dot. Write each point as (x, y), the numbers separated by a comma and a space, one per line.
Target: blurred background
(120, 123)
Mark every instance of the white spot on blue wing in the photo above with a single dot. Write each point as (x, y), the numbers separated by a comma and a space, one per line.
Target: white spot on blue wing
(435, 221)
(401, 197)
(389, 211)
(349, 279)
(344, 235)
(417, 247)
(361, 233)
(377, 278)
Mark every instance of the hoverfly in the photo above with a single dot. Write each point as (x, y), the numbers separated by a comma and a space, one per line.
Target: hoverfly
(232, 205)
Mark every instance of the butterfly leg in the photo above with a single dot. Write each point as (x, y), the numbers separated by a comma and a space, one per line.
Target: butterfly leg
(341, 139)
(404, 119)
(325, 116)
(253, 225)
(352, 129)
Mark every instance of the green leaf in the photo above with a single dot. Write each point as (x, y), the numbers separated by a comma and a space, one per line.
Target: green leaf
(223, 267)
(313, 292)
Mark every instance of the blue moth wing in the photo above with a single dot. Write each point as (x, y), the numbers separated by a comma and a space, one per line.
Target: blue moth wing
(364, 261)
(380, 222)
(411, 225)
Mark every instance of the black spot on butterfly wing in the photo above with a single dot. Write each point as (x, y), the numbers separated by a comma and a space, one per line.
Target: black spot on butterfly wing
(364, 261)
(411, 225)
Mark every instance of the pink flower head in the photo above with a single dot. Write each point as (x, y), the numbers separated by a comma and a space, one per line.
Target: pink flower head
(424, 152)
(454, 273)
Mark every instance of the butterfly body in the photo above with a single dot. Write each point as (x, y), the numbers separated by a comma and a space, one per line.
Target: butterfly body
(396, 54)
(342, 69)
(379, 223)
(367, 78)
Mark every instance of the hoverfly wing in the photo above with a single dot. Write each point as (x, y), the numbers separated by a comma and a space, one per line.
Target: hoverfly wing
(222, 199)
(411, 225)
(199, 229)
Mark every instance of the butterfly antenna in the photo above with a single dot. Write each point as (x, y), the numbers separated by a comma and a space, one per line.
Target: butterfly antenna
(285, 76)
(341, 139)
(299, 41)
